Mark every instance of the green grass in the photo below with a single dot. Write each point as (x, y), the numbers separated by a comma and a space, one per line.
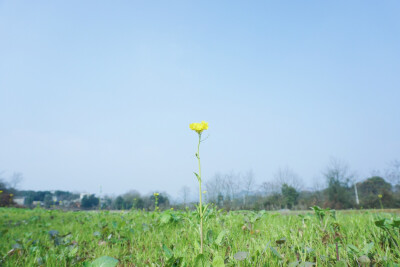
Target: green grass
(136, 238)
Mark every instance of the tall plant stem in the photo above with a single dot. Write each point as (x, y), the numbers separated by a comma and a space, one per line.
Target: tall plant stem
(200, 195)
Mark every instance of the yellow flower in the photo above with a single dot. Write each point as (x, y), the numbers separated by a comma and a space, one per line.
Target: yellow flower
(156, 194)
(1, 191)
(380, 196)
(11, 195)
(199, 127)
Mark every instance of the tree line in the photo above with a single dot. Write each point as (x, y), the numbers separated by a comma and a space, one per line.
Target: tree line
(338, 188)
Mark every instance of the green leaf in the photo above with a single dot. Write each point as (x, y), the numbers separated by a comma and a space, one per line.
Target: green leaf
(381, 223)
(396, 223)
(201, 261)
(210, 236)
(276, 253)
(198, 176)
(104, 261)
(341, 263)
(3, 232)
(306, 264)
(168, 252)
(353, 249)
(73, 252)
(241, 255)
(220, 237)
(368, 248)
(218, 262)
(165, 218)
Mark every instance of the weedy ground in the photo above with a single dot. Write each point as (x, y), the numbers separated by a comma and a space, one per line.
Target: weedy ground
(319, 237)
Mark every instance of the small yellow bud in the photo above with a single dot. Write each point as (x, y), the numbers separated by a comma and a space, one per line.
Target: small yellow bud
(380, 196)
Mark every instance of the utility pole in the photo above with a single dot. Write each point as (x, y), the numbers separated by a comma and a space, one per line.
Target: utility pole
(355, 190)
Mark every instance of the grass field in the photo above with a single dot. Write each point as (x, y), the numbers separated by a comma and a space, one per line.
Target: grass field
(41, 237)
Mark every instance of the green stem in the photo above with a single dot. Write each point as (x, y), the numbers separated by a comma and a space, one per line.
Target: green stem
(200, 195)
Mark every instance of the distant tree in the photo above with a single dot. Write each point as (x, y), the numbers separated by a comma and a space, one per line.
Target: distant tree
(269, 188)
(138, 203)
(4, 194)
(65, 195)
(89, 202)
(185, 193)
(290, 195)
(228, 186)
(274, 201)
(393, 172)
(374, 191)
(130, 198)
(39, 195)
(118, 203)
(28, 200)
(163, 201)
(214, 187)
(317, 196)
(231, 187)
(106, 202)
(3, 185)
(287, 176)
(16, 179)
(248, 183)
(48, 200)
(338, 176)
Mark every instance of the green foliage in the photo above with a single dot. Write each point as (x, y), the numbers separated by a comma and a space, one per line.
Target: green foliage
(104, 261)
(290, 195)
(89, 202)
(48, 200)
(369, 192)
(40, 237)
(119, 203)
(339, 191)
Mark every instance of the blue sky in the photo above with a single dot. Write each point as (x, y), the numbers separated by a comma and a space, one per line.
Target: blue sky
(101, 93)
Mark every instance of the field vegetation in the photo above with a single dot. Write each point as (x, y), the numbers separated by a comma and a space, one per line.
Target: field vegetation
(319, 237)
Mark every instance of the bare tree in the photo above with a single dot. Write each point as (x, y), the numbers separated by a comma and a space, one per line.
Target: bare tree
(317, 187)
(375, 172)
(339, 177)
(393, 172)
(248, 182)
(16, 179)
(231, 186)
(214, 187)
(185, 193)
(223, 188)
(288, 176)
(3, 184)
(269, 188)
(339, 170)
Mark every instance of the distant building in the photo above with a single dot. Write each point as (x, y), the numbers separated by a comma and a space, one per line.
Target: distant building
(37, 203)
(19, 200)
